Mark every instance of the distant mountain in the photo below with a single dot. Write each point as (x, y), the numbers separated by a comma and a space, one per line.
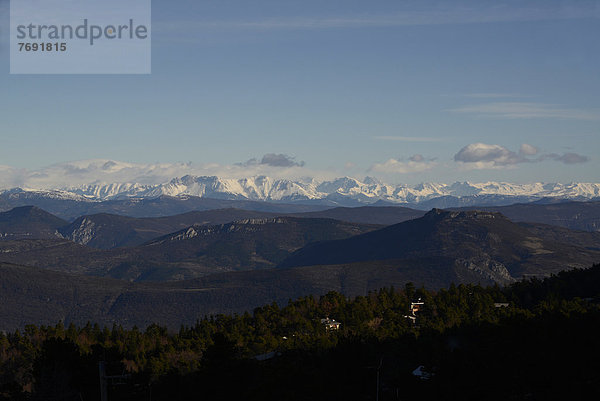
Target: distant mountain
(385, 215)
(336, 191)
(574, 215)
(465, 245)
(195, 251)
(233, 267)
(29, 222)
(71, 208)
(246, 244)
(345, 191)
(194, 244)
(583, 239)
(476, 201)
(107, 231)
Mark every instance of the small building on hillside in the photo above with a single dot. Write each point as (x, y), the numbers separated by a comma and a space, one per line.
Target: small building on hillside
(416, 307)
(330, 324)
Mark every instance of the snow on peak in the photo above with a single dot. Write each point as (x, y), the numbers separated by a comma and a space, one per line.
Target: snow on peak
(264, 188)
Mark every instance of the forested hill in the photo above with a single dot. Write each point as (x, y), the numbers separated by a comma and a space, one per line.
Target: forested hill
(535, 339)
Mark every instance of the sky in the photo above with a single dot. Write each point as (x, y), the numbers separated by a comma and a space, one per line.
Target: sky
(406, 91)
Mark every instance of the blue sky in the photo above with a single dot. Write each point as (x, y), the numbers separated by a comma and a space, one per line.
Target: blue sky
(408, 91)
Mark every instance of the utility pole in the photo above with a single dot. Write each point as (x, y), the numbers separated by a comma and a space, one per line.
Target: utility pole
(378, 368)
(103, 384)
(104, 380)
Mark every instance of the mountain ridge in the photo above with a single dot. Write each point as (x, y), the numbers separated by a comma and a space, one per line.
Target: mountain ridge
(464, 242)
(29, 222)
(367, 191)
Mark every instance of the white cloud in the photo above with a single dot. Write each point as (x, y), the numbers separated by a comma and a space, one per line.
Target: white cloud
(275, 160)
(480, 156)
(523, 110)
(567, 158)
(485, 156)
(415, 164)
(104, 171)
(528, 150)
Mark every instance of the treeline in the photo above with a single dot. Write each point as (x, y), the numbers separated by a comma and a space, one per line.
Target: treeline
(533, 339)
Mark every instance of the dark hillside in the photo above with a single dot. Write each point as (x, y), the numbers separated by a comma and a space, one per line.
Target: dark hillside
(482, 242)
(29, 222)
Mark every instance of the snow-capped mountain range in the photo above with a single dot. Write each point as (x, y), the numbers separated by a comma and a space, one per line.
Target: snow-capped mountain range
(366, 191)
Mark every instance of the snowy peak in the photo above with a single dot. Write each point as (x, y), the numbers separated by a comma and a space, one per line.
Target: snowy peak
(340, 190)
(108, 191)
